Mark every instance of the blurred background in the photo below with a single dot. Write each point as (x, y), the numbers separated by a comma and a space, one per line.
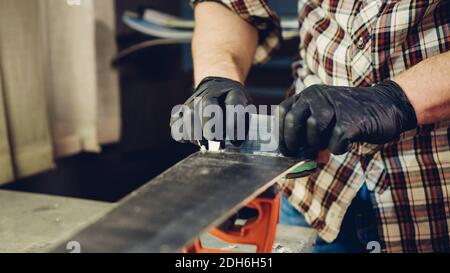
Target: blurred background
(85, 98)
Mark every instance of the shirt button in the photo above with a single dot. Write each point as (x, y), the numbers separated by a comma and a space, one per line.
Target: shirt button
(361, 43)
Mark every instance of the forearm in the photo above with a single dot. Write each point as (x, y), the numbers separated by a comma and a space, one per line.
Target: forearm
(427, 86)
(224, 44)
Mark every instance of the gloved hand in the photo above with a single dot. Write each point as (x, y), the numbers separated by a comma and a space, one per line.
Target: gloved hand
(335, 117)
(222, 92)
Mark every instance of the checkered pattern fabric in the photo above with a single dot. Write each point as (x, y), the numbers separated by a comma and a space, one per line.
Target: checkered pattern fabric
(360, 43)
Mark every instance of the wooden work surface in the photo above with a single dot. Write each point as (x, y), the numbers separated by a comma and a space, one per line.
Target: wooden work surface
(36, 223)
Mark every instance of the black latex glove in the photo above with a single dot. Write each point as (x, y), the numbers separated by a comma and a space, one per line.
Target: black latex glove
(335, 117)
(222, 92)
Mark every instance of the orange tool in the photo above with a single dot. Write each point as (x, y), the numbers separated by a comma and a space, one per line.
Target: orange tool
(259, 230)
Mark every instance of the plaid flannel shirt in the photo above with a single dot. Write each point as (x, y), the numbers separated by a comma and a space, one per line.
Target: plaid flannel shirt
(360, 43)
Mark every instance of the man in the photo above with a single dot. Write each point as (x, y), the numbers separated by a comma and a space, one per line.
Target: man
(373, 88)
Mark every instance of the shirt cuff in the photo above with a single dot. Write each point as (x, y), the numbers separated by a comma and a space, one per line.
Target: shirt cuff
(258, 14)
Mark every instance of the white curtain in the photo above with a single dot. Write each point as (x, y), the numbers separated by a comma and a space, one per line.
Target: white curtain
(59, 95)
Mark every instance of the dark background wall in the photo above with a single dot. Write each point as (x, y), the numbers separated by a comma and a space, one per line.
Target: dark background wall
(152, 82)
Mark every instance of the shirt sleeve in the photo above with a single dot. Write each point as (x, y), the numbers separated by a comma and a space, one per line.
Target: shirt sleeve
(258, 14)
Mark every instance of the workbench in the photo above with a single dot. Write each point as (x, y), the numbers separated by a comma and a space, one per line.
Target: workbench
(36, 223)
